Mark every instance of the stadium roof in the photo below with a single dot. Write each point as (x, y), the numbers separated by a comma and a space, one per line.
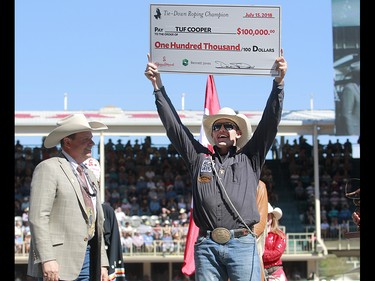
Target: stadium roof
(141, 123)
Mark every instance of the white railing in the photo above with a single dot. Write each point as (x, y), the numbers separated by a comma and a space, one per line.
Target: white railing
(297, 243)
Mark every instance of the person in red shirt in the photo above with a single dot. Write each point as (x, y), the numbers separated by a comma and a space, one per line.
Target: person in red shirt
(274, 246)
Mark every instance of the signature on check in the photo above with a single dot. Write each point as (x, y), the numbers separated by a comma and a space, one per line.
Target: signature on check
(233, 65)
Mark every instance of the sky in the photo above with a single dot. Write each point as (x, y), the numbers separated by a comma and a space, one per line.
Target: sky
(96, 53)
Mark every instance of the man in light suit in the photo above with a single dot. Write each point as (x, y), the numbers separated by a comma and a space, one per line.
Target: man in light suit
(66, 233)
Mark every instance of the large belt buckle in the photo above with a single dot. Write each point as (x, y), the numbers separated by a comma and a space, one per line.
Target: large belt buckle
(220, 235)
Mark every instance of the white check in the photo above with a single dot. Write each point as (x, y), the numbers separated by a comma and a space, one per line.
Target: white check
(215, 39)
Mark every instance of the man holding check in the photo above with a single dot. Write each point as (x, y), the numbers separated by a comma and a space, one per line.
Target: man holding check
(224, 182)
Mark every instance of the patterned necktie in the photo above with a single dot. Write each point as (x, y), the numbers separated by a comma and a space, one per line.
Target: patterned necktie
(88, 202)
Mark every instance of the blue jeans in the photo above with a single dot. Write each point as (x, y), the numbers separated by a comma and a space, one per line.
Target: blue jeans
(84, 275)
(237, 260)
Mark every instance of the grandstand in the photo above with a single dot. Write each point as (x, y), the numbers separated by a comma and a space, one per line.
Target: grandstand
(307, 244)
(141, 123)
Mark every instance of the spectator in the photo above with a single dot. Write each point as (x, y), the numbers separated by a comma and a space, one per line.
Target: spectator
(148, 241)
(18, 146)
(179, 185)
(183, 217)
(174, 214)
(324, 200)
(115, 196)
(25, 203)
(310, 189)
(138, 241)
(274, 246)
(119, 146)
(299, 191)
(334, 228)
(150, 173)
(181, 203)
(170, 193)
(344, 214)
(171, 203)
(151, 186)
(167, 243)
(323, 212)
(343, 200)
(18, 235)
(109, 146)
(157, 230)
(145, 209)
(135, 209)
(141, 185)
(128, 228)
(126, 206)
(310, 216)
(155, 207)
(325, 178)
(324, 226)
(334, 199)
(25, 215)
(126, 241)
(120, 216)
(333, 214)
(348, 147)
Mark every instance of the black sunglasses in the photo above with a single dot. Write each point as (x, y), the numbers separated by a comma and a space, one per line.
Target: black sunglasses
(227, 126)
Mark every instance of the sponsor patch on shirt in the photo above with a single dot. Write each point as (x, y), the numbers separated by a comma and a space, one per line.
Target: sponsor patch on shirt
(205, 172)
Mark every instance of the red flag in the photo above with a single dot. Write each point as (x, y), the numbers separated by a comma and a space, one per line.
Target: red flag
(211, 106)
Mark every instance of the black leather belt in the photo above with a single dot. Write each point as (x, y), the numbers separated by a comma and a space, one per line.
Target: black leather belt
(222, 235)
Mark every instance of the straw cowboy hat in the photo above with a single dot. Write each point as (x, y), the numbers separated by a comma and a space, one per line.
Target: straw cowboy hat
(275, 211)
(71, 124)
(239, 119)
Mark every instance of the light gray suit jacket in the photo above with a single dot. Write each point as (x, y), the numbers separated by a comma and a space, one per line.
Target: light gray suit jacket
(57, 220)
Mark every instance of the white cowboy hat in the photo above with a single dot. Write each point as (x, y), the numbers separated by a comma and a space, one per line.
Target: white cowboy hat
(71, 124)
(275, 211)
(239, 119)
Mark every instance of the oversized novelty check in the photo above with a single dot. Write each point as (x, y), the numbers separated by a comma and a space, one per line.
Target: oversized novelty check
(215, 39)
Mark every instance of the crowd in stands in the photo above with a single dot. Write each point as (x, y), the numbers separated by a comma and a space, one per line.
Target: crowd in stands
(150, 190)
(335, 170)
